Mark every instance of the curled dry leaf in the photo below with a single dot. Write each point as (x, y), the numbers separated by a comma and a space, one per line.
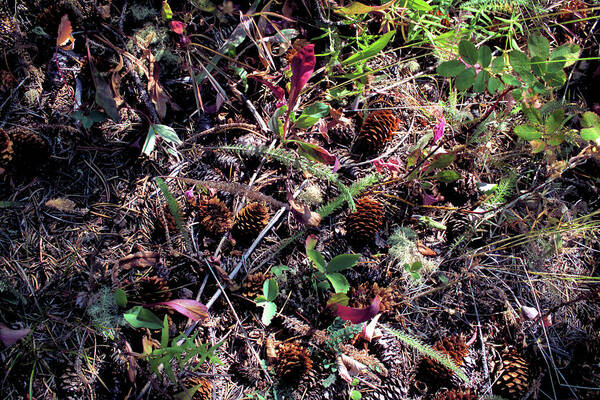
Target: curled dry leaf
(368, 331)
(529, 313)
(426, 251)
(65, 39)
(131, 363)
(349, 367)
(190, 308)
(302, 214)
(11, 336)
(141, 259)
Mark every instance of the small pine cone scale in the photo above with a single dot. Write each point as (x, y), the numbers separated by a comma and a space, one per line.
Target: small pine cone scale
(433, 372)
(378, 129)
(214, 216)
(456, 394)
(365, 222)
(293, 361)
(250, 221)
(6, 149)
(391, 388)
(202, 388)
(513, 379)
(30, 150)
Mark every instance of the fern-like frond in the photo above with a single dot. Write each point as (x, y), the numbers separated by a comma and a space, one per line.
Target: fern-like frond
(504, 190)
(174, 208)
(497, 6)
(292, 160)
(427, 351)
(355, 189)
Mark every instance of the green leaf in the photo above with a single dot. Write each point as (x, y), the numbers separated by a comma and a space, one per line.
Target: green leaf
(511, 80)
(484, 56)
(371, 51)
(495, 85)
(467, 51)
(519, 61)
(498, 64)
(441, 161)
(164, 334)
(167, 133)
(150, 142)
(538, 46)
(450, 68)
(527, 132)
(465, 79)
(270, 289)
(140, 317)
(539, 66)
(269, 311)
(275, 124)
(417, 5)
(166, 12)
(120, 297)
(311, 114)
(555, 79)
(566, 55)
(357, 8)
(317, 259)
(342, 262)
(88, 120)
(590, 122)
(338, 298)
(447, 176)
(355, 395)
(481, 81)
(554, 121)
(339, 282)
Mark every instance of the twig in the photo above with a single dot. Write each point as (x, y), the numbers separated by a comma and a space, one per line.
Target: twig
(224, 128)
(486, 371)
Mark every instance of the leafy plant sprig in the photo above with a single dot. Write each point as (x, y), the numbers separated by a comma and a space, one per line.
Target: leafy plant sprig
(267, 300)
(330, 271)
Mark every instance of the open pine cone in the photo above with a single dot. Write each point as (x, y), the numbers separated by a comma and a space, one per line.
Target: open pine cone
(204, 388)
(379, 128)
(365, 222)
(456, 348)
(6, 149)
(456, 394)
(253, 286)
(250, 221)
(458, 224)
(150, 290)
(513, 381)
(293, 361)
(214, 216)
(30, 150)
(366, 292)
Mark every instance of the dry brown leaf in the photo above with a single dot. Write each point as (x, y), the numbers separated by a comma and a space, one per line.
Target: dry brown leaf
(141, 259)
(65, 39)
(424, 250)
(302, 214)
(159, 97)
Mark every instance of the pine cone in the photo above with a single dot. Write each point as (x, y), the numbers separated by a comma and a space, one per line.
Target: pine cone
(293, 361)
(204, 388)
(250, 221)
(30, 150)
(6, 149)
(151, 289)
(456, 348)
(376, 131)
(365, 222)
(456, 394)
(366, 292)
(458, 224)
(513, 381)
(253, 286)
(70, 384)
(391, 388)
(460, 192)
(214, 216)
(8, 32)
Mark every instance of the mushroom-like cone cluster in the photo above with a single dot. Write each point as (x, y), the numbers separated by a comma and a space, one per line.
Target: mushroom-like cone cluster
(376, 131)
(293, 361)
(365, 222)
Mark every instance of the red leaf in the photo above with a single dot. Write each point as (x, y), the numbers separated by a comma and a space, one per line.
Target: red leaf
(11, 336)
(303, 65)
(311, 242)
(176, 26)
(358, 315)
(190, 308)
(278, 92)
(317, 153)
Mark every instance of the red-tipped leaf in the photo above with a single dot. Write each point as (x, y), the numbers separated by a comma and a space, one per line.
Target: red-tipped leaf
(303, 65)
(359, 315)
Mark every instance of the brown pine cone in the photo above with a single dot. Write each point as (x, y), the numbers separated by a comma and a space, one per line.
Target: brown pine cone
(453, 346)
(391, 388)
(378, 129)
(253, 286)
(8, 31)
(214, 216)
(250, 221)
(366, 292)
(293, 361)
(202, 386)
(150, 290)
(513, 380)
(365, 222)
(456, 394)
(458, 224)
(6, 149)
(30, 150)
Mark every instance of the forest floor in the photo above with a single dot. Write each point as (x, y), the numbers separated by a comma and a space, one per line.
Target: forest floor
(299, 199)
